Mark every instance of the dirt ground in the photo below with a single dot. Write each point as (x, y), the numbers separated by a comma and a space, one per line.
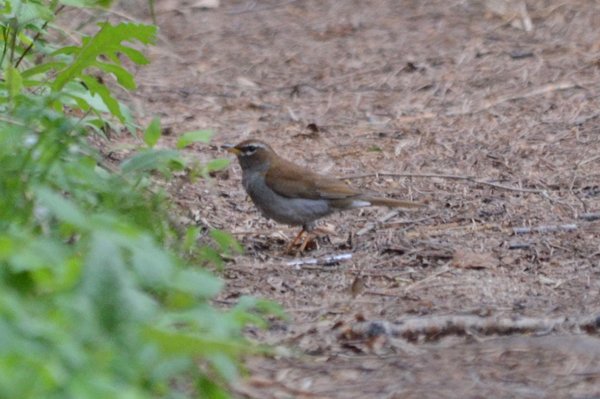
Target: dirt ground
(486, 110)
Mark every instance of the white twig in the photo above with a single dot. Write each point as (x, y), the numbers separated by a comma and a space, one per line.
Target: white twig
(326, 260)
(545, 229)
(519, 245)
(470, 179)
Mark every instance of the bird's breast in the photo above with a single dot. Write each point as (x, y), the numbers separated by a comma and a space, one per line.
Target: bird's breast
(282, 209)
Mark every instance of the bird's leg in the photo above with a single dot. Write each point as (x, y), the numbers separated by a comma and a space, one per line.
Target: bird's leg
(295, 240)
(312, 233)
(310, 236)
(306, 228)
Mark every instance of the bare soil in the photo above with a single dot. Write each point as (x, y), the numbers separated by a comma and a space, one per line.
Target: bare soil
(485, 110)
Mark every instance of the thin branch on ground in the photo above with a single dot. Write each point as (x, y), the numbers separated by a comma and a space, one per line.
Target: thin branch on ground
(545, 229)
(590, 216)
(328, 260)
(450, 177)
(433, 328)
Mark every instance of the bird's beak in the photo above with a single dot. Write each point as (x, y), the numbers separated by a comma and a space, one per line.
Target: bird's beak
(230, 148)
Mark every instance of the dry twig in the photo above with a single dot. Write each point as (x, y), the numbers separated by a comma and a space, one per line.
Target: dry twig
(433, 328)
(545, 229)
(325, 260)
(471, 179)
(590, 216)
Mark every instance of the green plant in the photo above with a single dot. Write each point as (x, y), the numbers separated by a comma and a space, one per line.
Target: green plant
(93, 302)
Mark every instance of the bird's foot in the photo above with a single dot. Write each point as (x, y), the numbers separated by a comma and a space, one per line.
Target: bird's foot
(300, 244)
(294, 242)
(309, 243)
(310, 239)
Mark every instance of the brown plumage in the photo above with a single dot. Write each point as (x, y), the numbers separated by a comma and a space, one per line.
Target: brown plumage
(292, 194)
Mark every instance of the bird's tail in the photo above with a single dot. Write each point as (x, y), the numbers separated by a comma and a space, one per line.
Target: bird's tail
(392, 203)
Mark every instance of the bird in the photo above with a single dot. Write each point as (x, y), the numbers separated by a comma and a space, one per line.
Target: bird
(294, 195)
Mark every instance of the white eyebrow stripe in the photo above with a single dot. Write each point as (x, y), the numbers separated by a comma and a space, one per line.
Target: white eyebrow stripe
(257, 145)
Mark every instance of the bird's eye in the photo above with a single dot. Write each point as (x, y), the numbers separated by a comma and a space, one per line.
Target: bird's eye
(250, 149)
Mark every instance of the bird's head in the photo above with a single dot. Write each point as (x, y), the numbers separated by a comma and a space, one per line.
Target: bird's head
(252, 154)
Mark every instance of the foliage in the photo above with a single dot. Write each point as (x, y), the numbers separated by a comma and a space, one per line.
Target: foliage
(92, 302)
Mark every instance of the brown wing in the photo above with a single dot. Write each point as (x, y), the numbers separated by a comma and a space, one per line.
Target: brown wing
(291, 180)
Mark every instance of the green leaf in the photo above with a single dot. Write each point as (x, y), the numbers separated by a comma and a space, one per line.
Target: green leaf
(150, 160)
(14, 81)
(124, 78)
(24, 12)
(216, 165)
(226, 241)
(40, 70)
(208, 388)
(134, 55)
(152, 264)
(62, 208)
(250, 303)
(152, 133)
(7, 247)
(107, 42)
(98, 88)
(189, 241)
(209, 255)
(38, 253)
(7, 8)
(66, 50)
(198, 283)
(87, 3)
(196, 136)
(74, 94)
(177, 342)
(225, 366)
